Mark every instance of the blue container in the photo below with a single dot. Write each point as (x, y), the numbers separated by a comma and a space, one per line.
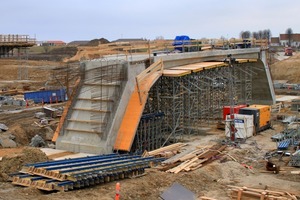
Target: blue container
(46, 96)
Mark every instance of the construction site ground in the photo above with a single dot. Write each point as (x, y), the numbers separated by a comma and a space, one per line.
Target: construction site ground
(210, 180)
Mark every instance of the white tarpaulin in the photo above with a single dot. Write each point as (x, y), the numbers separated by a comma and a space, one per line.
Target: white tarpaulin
(243, 125)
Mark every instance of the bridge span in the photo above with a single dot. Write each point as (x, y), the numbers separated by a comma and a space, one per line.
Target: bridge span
(122, 105)
(10, 42)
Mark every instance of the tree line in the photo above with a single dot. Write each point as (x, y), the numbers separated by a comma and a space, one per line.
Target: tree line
(265, 34)
(261, 34)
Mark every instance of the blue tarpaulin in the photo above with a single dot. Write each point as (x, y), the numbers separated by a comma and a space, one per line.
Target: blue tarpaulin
(181, 40)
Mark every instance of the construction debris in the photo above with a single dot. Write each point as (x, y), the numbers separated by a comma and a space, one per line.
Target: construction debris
(239, 193)
(3, 127)
(40, 115)
(295, 159)
(37, 141)
(272, 167)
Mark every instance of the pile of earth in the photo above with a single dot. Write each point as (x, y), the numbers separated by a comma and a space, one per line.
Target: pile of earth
(14, 163)
(96, 42)
(287, 69)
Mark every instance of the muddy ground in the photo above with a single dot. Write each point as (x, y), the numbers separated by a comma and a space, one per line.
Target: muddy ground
(211, 180)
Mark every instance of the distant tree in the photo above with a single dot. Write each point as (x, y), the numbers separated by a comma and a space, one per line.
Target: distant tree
(268, 34)
(289, 33)
(255, 35)
(260, 34)
(245, 34)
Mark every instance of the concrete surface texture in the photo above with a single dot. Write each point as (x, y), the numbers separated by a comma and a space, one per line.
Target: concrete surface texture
(96, 113)
(95, 117)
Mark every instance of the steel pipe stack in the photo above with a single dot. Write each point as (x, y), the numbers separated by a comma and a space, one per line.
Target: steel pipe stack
(77, 173)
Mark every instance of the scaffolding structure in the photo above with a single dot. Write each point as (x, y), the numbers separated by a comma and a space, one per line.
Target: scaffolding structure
(194, 100)
(149, 133)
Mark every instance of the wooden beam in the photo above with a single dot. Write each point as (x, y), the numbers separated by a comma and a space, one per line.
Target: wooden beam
(91, 110)
(86, 121)
(84, 131)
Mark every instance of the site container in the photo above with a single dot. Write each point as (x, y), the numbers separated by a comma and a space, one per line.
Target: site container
(261, 116)
(46, 96)
(236, 109)
(243, 125)
(265, 115)
(255, 113)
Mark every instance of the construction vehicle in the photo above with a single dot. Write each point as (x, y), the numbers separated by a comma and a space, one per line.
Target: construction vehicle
(288, 51)
(261, 116)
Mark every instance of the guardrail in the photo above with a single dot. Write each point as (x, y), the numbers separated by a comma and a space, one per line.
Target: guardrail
(16, 39)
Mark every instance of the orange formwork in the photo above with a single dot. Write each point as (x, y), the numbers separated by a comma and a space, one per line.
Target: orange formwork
(133, 113)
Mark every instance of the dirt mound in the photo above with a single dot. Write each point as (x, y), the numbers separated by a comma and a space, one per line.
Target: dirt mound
(11, 164)
(96, 42)
(24, 133)
(287, 69)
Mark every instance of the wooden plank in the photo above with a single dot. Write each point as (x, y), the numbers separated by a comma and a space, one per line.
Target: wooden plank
(91, 110)
(101, 84)
(166, 148)
(96, 99)
(191, 155)
(295, 172)
(196, 67)
(81, 130)
(86, 121)
(175, 73)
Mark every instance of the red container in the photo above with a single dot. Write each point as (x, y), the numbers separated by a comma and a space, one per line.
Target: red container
(236, 108)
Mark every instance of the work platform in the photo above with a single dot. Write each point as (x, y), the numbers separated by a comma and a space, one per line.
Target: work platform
(147, 107)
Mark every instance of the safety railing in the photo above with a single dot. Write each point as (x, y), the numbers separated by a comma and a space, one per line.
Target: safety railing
(16, 39)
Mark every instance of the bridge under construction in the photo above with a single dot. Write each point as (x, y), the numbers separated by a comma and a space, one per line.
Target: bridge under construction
(8, 43)
(132, 106)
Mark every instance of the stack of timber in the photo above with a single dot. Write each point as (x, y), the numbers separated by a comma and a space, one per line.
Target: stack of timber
(77, 173)
(166, 151)
(243, 193)
(192, 160)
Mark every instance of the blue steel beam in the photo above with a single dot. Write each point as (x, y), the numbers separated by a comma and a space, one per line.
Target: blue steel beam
(73, 160)
(71, 165)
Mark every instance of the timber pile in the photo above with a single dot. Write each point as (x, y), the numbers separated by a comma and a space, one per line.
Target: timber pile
(241, 193)
(166, 151)
(193, 160)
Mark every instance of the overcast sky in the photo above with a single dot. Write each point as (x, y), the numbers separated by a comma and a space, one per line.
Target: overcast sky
(70, 20)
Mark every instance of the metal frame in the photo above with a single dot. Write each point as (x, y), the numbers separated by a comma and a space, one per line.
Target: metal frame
(195, 100)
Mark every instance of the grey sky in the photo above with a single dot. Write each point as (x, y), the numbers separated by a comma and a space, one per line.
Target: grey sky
(113, 19)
